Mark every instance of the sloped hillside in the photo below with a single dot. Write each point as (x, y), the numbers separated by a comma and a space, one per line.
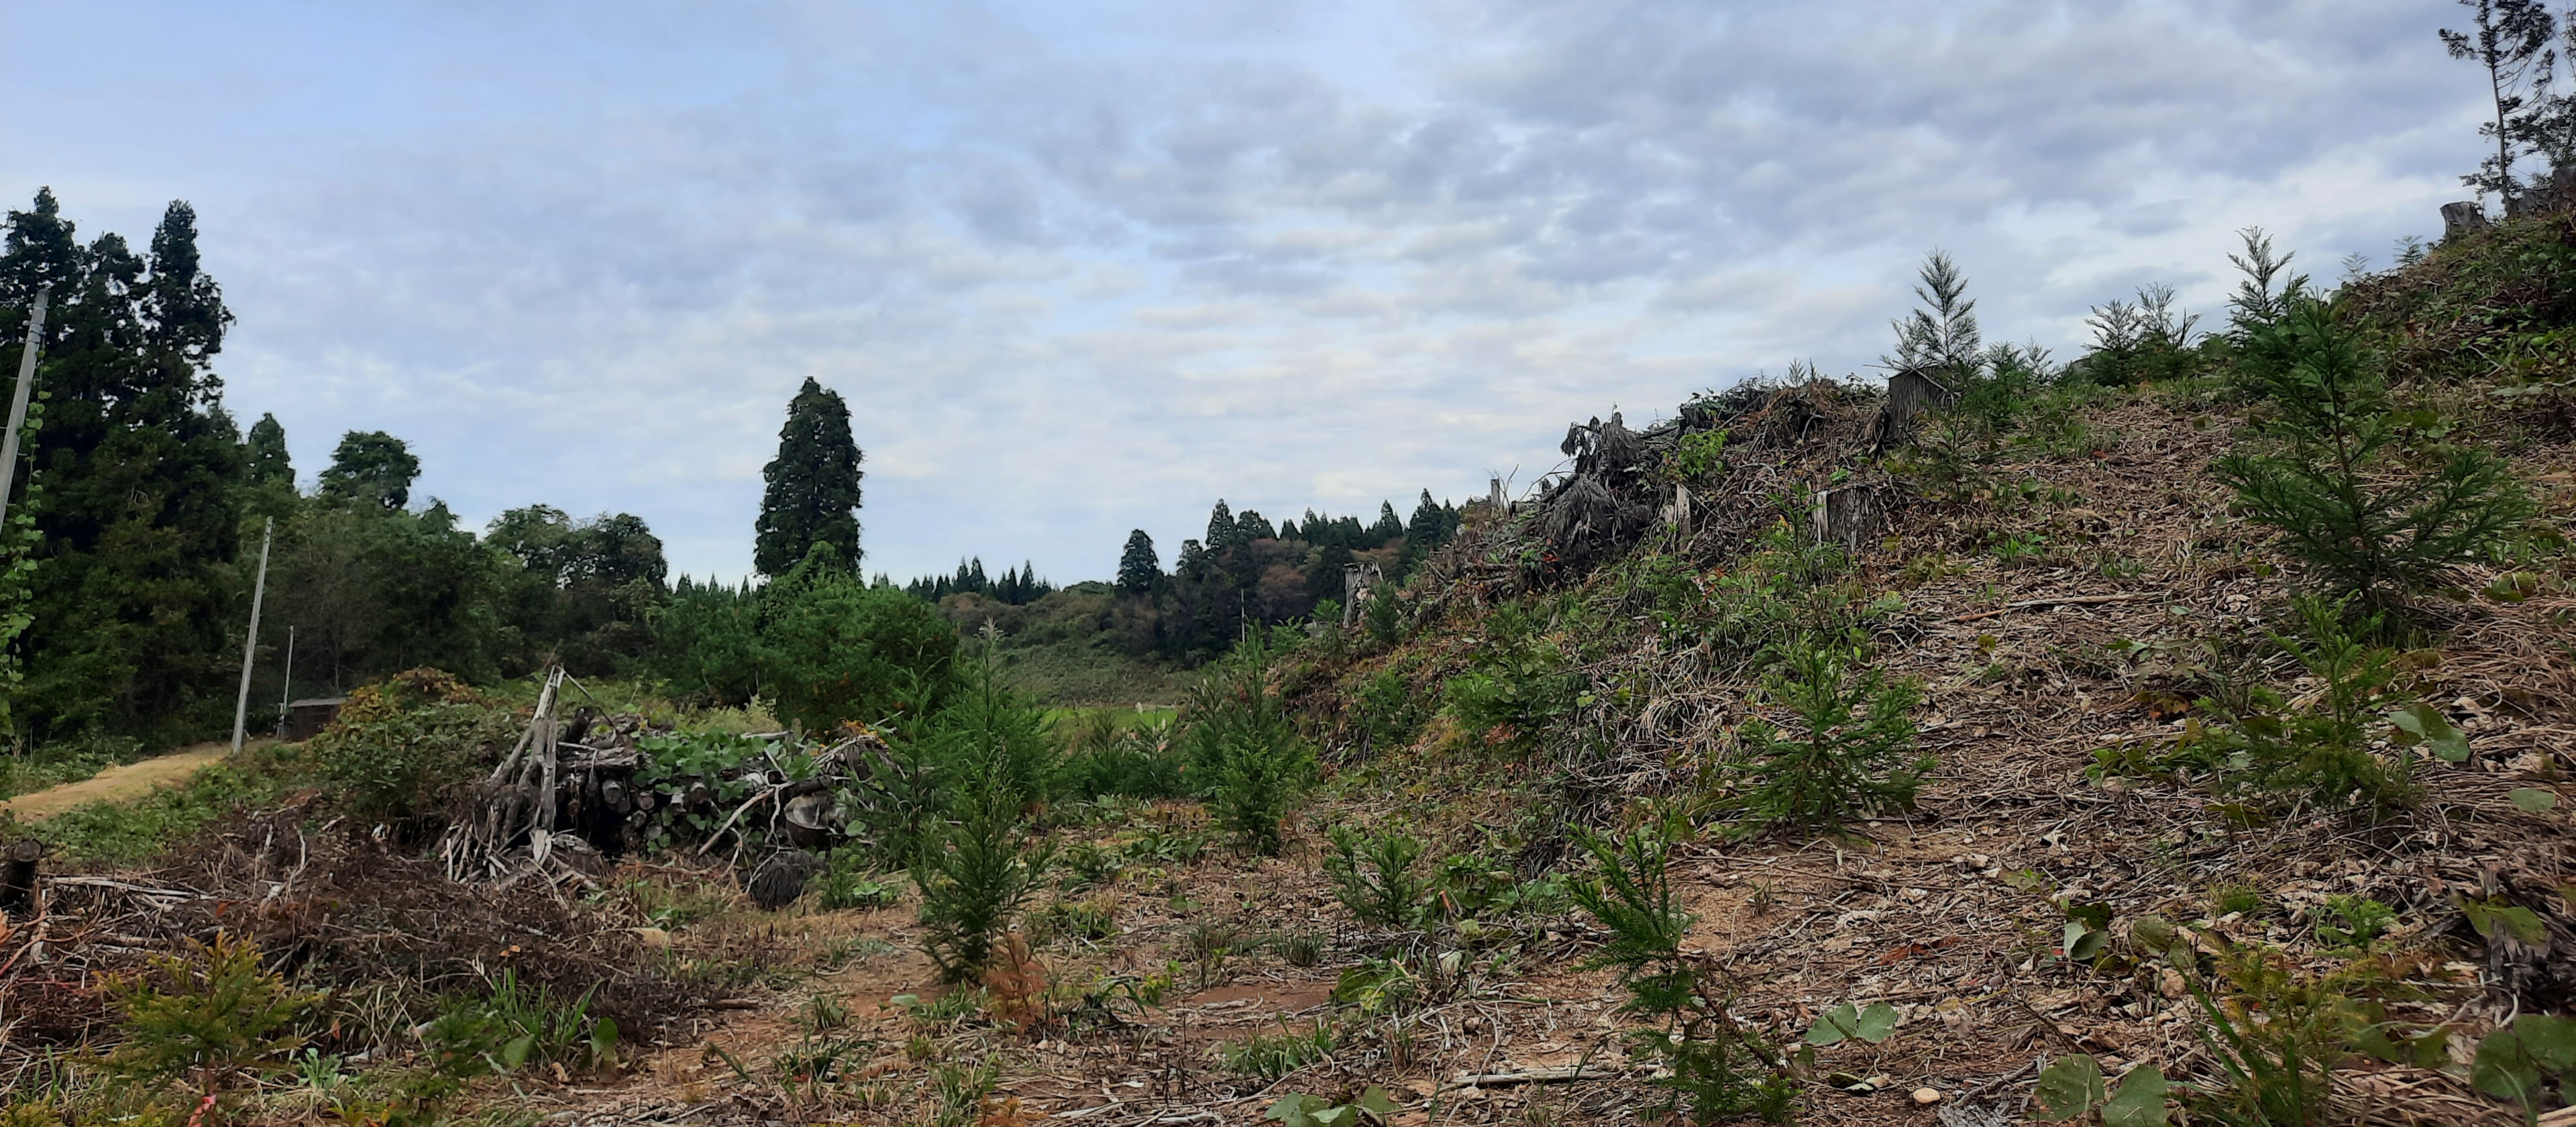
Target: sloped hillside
(2105, 767)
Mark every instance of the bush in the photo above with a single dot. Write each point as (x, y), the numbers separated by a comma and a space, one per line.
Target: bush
(1853, 756)
(2320, 748)
(517, 1026)
(397, 747)
(2328, 476)
(1516, 682)
(835, 649)
(1389, 711)
(1136, 762)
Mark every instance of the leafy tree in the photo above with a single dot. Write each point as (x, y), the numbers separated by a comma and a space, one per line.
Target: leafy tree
(371, 469)
(836, 649)
(373, 591)
(707, 643)
(813, 485)
(132, 478)
(2326, 473)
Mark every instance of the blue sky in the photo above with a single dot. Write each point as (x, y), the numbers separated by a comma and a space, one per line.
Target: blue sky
(1081, 268)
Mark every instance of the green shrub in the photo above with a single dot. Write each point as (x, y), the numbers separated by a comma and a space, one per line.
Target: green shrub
(835, 649)
(1136, 762)
(1714, 1065)
(1240, 740)
(1517, 682)
(1853, 752)
(397, 750)
(1375, 878)
(2328, 477)
(1389, 711)
(974, 875)
(214, 1014)
(850, 881)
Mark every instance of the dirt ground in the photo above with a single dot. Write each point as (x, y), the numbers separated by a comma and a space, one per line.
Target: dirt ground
(124, 781)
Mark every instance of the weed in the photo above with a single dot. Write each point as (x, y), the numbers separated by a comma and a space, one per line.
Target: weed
(2233, 899)
(1270, 1056)
(1087, 921)
(1516, 683)
(1375, 1105)
(850, 883)
(2321, 750)
(959, 1090)
(824, 1013)
(2362, 920)
(1299, 948)
(1854, 755)
(1375, 877)
(2518, 1062)
(517, 1026)
(1389, 710)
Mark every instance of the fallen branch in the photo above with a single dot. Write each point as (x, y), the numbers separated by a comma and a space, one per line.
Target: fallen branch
(2066, 601)
(1530, 1076)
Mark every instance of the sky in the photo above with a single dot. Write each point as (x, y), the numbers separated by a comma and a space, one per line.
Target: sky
(1080, 268)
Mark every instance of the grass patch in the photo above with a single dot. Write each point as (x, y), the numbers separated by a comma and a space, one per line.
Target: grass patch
(140, 829)
(1076, 673)
(68, 762)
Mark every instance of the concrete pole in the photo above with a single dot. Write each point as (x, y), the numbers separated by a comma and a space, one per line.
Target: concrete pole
(286, 685)
(250, 644)
(18, 401)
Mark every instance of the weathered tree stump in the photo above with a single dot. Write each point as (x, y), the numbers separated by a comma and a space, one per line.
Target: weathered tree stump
(2464, 218)
(1910, 393)
(18, 877)
(1846, 516)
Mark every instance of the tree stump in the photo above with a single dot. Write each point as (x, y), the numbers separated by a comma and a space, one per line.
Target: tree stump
(2464, 218)
(1846, 516)
(1910, 393)
(18, 877)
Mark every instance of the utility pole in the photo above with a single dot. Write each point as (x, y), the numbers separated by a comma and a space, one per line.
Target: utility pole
(286, 685)
(250, 644)
(18, 402)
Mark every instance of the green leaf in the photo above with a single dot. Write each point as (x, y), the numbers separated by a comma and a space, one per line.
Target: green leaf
(1290, 1110)
(2158, 936)
(1834, 1026)
(2425, 724)
(2070, 1086)
(2083, 943)
(2095, 916)
(1876, 1024)
(2551, 1041)
(1341, 1116)
(2534, 799)
(2487, 916)
(2140, 1102)
(2515, 586)
(603, 1039)
(2504, 1068)
(1376, 1101)
(516, 1053)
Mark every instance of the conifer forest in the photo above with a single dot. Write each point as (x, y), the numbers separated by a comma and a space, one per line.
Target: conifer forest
(2168, 727)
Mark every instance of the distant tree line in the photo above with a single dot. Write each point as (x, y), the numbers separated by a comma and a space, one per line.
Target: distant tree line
(1015, 588)
(1246, 573)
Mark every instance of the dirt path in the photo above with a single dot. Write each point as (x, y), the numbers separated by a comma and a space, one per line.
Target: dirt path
(129, 780)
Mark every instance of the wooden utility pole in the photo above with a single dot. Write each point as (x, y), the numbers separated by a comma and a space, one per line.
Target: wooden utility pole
(250, 644)
(18, 401)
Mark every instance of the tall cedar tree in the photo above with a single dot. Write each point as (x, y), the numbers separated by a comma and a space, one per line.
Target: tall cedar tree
(813, 492)
(1140, 570)
(135, 588)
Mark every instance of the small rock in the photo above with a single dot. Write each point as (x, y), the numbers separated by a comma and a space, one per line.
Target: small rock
(1927, 1096)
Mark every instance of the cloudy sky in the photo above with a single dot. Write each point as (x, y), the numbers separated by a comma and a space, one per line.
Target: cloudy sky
(1086, 267)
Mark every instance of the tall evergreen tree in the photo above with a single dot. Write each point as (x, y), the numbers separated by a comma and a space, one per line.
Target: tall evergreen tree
(813, 485)
(1388, 527)
(264, 456)
(136, 466)
(1139, 569)
(1251, 526)
(1222, 531)
(371, 470)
